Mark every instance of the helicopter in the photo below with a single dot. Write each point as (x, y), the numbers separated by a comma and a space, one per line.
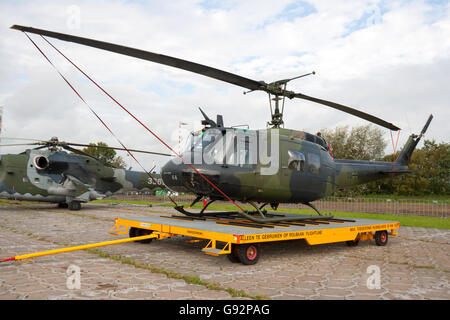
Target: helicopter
(259, 167)
(69, 179)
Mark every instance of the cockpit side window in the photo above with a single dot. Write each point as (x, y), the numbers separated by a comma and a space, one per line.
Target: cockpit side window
(244, 155)
(314, 163)
(296, 160)
(240, 148)
(198, 141)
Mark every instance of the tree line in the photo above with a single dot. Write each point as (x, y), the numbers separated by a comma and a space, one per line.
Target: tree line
(430, 164)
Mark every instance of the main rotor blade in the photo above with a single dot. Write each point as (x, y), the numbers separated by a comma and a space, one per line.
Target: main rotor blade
(24, 139)
(150, 56)
(203, 70)
(18, 144)
(352, 111)
(38, 148)
(79, 152)
(115, 148)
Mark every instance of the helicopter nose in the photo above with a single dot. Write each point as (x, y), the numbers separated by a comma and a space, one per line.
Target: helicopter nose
(170, 174)
(180, 177)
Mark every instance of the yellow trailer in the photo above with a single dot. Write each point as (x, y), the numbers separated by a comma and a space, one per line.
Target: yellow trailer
(237, 237)
(240, 238)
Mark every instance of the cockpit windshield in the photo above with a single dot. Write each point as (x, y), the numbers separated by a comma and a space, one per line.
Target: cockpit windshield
(199, 140)
(231, 146)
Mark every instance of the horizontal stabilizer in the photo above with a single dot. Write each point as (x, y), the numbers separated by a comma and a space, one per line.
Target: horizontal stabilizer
(397, 172)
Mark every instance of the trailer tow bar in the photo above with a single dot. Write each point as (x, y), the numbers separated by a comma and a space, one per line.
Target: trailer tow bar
(83, 247)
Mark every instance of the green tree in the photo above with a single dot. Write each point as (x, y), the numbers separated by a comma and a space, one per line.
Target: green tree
(104, 154)
(431, 173)
(359, 143)
(436, 166)
(430, 164)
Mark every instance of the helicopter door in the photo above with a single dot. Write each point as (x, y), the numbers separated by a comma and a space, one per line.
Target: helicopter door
(271, 184)
(245, 162)
(294, 168)
(303, 170)
(240, 165)
(327, 172)
(314, 170)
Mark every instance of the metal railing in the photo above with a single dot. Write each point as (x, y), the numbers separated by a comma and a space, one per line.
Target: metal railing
(417, 207)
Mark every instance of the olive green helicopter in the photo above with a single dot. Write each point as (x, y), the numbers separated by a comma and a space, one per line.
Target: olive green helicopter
(56, 172)
(259, 167)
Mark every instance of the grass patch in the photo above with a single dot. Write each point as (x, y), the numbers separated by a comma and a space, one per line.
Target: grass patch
(406, 221)
(175, 275)
(146, 203)
(7, 202)
(439, 197)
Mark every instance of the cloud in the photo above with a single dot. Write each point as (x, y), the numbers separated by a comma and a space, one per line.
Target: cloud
(389, 58)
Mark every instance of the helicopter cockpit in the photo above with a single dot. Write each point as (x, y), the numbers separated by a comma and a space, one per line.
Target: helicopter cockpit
(200, 140)
(222, 146)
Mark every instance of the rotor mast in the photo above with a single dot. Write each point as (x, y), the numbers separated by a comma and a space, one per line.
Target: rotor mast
(278, 88)
(277, 116)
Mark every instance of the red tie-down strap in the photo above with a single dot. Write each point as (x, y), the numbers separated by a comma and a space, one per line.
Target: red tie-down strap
(134, 117)
(394, 147)
(92, 110)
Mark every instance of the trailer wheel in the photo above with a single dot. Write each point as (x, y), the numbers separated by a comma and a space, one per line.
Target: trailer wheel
(234, 255)
(249, 253)
(352, 243)
(74, 205)
(381, 238)
(137, 232)
(132, 232)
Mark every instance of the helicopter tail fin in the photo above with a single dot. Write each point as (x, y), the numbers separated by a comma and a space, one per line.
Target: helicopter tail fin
(405, 155)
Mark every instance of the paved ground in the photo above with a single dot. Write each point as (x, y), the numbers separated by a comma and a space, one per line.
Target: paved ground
(414, 265)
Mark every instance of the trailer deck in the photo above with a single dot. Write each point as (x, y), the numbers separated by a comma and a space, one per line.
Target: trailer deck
(239, 238)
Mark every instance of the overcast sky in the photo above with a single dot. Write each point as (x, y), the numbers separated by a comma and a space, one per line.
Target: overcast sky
(387, 58)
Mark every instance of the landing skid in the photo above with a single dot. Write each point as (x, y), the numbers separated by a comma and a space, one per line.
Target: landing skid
(258, 215)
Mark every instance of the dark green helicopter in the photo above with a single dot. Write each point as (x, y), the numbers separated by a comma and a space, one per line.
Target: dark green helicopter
(69, 179)
(259, 167)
